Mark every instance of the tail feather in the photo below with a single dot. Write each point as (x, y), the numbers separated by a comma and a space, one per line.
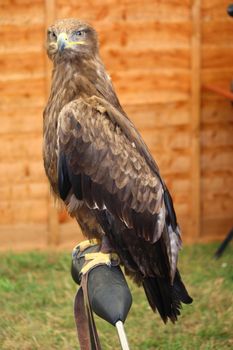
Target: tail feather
(180, 291)
(166, 298)
(153, 294)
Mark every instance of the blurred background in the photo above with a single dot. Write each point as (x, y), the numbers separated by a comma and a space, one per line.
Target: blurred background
(165, 58)
(171, 62)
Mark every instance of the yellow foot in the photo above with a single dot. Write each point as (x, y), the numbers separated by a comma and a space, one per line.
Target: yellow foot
(96, 258)
(99, 258)
(86, 244)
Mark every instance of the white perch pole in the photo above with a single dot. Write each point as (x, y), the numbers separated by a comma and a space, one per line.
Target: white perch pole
(122, 336)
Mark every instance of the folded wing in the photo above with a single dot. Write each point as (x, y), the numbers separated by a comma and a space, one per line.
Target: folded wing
(101, 160)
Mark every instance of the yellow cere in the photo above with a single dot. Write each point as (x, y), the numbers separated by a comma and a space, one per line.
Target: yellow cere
(72, 43)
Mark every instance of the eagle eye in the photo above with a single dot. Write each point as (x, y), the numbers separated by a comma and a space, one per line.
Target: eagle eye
(52, 35)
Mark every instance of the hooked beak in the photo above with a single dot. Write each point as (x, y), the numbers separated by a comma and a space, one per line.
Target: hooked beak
(62, 41)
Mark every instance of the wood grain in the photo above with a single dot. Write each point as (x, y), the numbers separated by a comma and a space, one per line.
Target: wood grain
(195, 117)
(214, 57)
(217, 32)
(113, 10)
(214, 9)
(156, 115)
(16, 35)
(135, 58)
(217, 121)
(147, 86)
(159, 54)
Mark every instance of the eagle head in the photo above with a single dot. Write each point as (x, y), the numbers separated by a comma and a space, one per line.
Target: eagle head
(69, 39)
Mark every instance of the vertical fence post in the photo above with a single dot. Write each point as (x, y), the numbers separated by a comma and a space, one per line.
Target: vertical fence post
(53, 222)
(195, 117)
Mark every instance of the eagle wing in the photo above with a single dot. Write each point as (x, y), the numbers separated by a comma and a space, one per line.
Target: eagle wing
(100, 159)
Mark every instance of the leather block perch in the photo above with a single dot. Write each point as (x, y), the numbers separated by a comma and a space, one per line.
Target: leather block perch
(103, 289)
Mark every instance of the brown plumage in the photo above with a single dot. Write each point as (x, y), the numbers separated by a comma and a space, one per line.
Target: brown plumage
(98, 164)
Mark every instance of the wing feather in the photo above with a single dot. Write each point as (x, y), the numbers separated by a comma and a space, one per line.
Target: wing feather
(106, 163)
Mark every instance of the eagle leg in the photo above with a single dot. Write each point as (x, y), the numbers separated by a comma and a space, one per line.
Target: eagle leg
(106, 246)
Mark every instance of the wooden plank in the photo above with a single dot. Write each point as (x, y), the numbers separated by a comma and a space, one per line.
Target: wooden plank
(113, 10)
(13, 36)
(217, 135)
(220, 91)
(27, 171)
(166, 10)
(216, 228)
(217, 206)
(16, 120)
(217, 159)
(123, 59)
(214, 9)
(21, 101)
(21, 2)
(182, 207)
(159, 114)
(23, 211)
(166, 140)
(215, 57)
(217, 77)
(21, 12)
(30, 211)
(23, 191)
(217, 33)
(22, 237)
(216, 111)
(177, 139)
(221, 184)
(24, 64)
(173, 162)
(21, 87)
(53, 238)
(157, 34)
(217, 180)
(180, 185)
(195, 117)
(70, 234)
(147, 86)
(25, 146)
(53, 223)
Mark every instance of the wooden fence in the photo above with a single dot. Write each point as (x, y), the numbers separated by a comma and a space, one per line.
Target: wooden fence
(162, 56)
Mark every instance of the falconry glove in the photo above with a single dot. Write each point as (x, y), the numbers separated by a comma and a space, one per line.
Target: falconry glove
(103, 289)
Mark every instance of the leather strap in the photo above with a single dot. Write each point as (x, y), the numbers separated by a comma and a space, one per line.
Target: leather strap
(81, 321)
(85, 323)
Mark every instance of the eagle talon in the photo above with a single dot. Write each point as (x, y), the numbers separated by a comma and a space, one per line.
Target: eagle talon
(87, 255)
(94, 259)
(86, 244)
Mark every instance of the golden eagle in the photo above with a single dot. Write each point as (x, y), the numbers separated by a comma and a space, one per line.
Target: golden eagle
(99, 165)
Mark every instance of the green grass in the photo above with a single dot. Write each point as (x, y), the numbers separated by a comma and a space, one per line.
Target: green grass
(36, 305)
